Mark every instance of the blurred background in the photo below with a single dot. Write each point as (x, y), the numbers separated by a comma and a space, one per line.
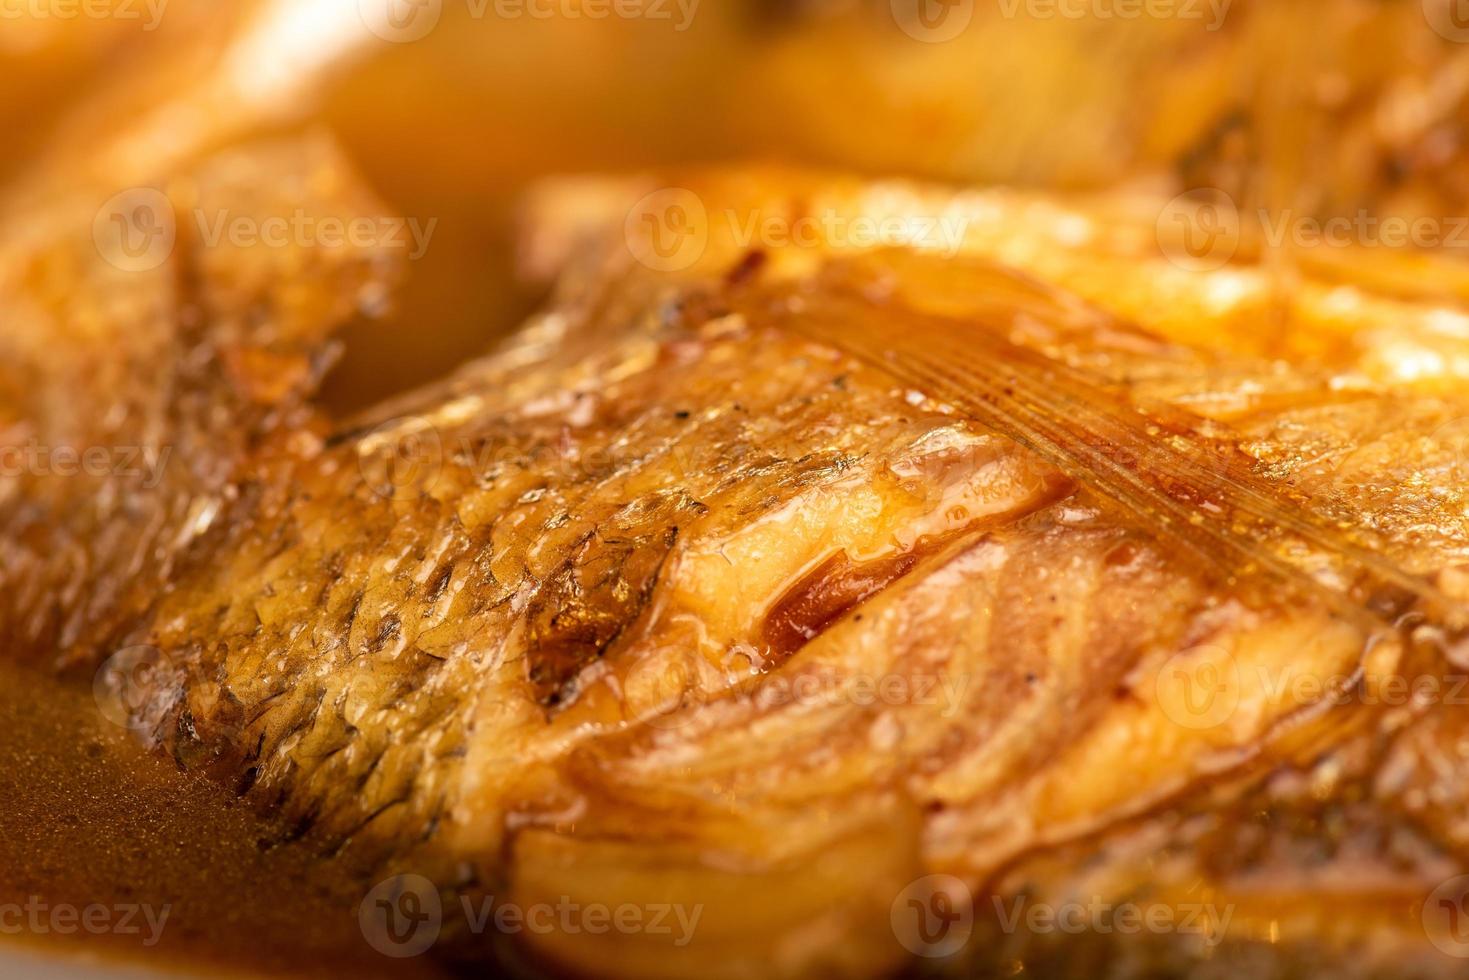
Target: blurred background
(452, 108)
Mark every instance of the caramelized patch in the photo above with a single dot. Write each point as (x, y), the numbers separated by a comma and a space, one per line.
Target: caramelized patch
(824, 595)
(588, 603)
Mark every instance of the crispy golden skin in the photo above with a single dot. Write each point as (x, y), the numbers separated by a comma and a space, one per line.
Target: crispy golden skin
(678, 598)
(134, 383)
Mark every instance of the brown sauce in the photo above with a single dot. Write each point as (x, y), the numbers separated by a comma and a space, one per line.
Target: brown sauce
(90, 819)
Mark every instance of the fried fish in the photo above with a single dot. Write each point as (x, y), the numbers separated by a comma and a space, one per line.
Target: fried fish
(766, 576)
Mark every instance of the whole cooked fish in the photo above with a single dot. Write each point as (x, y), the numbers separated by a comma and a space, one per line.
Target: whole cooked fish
(819, 538)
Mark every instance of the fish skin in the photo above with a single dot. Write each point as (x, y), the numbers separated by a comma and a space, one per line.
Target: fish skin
(506, 632)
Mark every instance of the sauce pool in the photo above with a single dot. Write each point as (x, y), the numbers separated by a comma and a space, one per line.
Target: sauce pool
(109, 852)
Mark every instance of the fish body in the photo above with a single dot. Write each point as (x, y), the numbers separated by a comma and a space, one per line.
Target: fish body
(764, 583)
